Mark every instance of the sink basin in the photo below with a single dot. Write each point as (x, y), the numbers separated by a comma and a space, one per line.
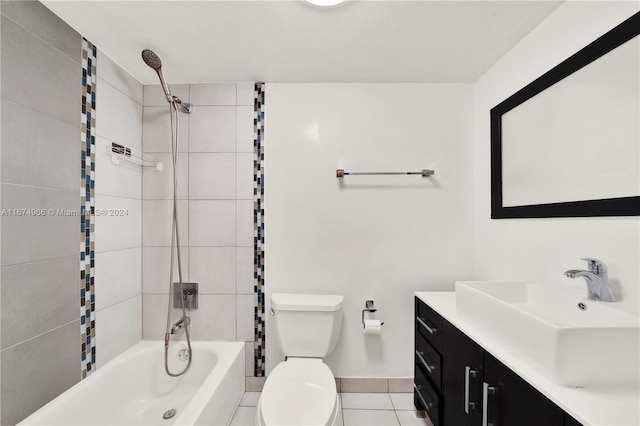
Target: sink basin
(591, 345)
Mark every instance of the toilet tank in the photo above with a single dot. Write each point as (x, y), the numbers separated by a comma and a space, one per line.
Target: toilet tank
(308, 325)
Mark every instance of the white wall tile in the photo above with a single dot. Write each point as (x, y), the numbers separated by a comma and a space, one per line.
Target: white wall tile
(244, 176)
(157, 219)
(154, 316)
(46, 155)
(215, 318)
(213, 94)
(154, 95)
(121, 180)
(245, 93)
(55, 92)
(244, 223)
(244, 314)
(118, 117)
(212, 176)
(244, 129)
(212, 129)
(37, 297)
(244, 270)
(156, 264)
(156, 130)
(212, 223)
(115, 75)
(118, 276)
(118, 327)
(33, 238)
(214, 269)
(158, 185)
(216, 178)
(118, 226)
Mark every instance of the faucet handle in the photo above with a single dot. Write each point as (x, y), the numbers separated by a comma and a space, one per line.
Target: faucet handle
(596, 266)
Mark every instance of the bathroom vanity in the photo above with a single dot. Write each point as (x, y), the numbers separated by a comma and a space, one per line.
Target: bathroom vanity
(463, 376)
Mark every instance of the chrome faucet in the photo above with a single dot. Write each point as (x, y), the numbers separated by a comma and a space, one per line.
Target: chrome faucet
(597, 280)
(184, 321)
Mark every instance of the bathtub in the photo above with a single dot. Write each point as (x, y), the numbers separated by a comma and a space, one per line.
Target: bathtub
(133, 389)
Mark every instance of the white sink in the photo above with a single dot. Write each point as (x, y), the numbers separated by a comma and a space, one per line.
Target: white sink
(596, 346)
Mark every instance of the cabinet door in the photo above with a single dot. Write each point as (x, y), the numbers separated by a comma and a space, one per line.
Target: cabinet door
(508, 400)
(461, 378)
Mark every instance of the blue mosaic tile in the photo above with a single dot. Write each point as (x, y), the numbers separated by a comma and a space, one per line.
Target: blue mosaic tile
(258, 231)
(87, 204)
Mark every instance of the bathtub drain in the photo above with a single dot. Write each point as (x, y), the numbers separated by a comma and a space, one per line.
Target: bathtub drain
(169, 413)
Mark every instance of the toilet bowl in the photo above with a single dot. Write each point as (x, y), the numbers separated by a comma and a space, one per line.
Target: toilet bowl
(302, 389)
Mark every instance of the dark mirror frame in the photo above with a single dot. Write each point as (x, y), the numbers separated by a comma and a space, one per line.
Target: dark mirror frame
(623, 206)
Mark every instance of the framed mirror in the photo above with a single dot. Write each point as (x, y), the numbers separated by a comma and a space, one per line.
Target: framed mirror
(568, 144)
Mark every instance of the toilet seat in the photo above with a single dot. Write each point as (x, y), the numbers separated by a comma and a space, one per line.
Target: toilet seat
(299, 391)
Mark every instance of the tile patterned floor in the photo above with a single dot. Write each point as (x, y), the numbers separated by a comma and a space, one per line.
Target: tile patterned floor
(366, 409)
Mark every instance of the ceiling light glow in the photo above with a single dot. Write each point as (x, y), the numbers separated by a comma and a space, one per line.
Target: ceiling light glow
(325, 3)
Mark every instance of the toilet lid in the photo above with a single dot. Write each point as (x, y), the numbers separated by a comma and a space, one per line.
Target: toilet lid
(300, 391)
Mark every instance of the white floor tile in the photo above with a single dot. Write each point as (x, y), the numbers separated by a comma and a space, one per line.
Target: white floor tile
(367, 401)
(250, 399)
(408, 418)
(370, 417)
(245, 416)
(402, 401)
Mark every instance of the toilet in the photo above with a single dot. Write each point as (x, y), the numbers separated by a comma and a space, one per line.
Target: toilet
(302, 390)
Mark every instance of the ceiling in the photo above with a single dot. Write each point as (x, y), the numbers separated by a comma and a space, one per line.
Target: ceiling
(293, 41)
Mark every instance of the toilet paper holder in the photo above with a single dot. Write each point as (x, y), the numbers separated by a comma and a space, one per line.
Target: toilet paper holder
(368, 308)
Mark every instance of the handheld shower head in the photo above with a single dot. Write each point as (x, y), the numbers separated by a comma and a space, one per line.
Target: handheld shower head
(153, 60)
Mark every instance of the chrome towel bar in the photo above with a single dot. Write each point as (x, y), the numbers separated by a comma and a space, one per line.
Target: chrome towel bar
(424, 173)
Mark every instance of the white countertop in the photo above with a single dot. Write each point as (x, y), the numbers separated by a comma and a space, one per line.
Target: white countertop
(601, 406)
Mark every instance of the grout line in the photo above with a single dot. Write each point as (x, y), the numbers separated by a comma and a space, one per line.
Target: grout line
(111, 84)
(41, 334)
(78, 62)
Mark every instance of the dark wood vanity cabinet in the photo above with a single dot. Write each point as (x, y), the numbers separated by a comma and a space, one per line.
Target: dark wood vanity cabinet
(458, 383)
(462, 380)
(427, 382)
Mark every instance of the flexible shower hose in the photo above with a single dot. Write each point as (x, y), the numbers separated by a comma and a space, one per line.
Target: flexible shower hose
(175, 248)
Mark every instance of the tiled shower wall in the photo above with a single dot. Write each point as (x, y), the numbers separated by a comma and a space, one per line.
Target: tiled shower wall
(40, 169)
(215, 192)
(118, 231)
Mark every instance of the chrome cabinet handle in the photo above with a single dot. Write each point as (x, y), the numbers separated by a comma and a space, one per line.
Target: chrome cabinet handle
(468, 372)
(486, 391)
(427, 406)
(431, 330)
(430, 368)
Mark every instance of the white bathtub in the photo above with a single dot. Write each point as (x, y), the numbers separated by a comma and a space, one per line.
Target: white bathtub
(133, 389)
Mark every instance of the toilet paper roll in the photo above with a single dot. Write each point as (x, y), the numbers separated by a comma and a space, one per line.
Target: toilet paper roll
(372, 326)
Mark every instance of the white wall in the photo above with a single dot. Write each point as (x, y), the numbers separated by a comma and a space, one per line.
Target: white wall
(118, 258)
(368, 237)
(542, 249)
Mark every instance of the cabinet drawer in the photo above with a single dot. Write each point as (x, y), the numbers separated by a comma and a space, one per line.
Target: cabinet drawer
(425, 397)
(429, 324)
(430, 360)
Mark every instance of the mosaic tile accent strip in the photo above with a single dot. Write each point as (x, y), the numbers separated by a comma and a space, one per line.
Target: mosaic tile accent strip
(87, 208)
(258, 230)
